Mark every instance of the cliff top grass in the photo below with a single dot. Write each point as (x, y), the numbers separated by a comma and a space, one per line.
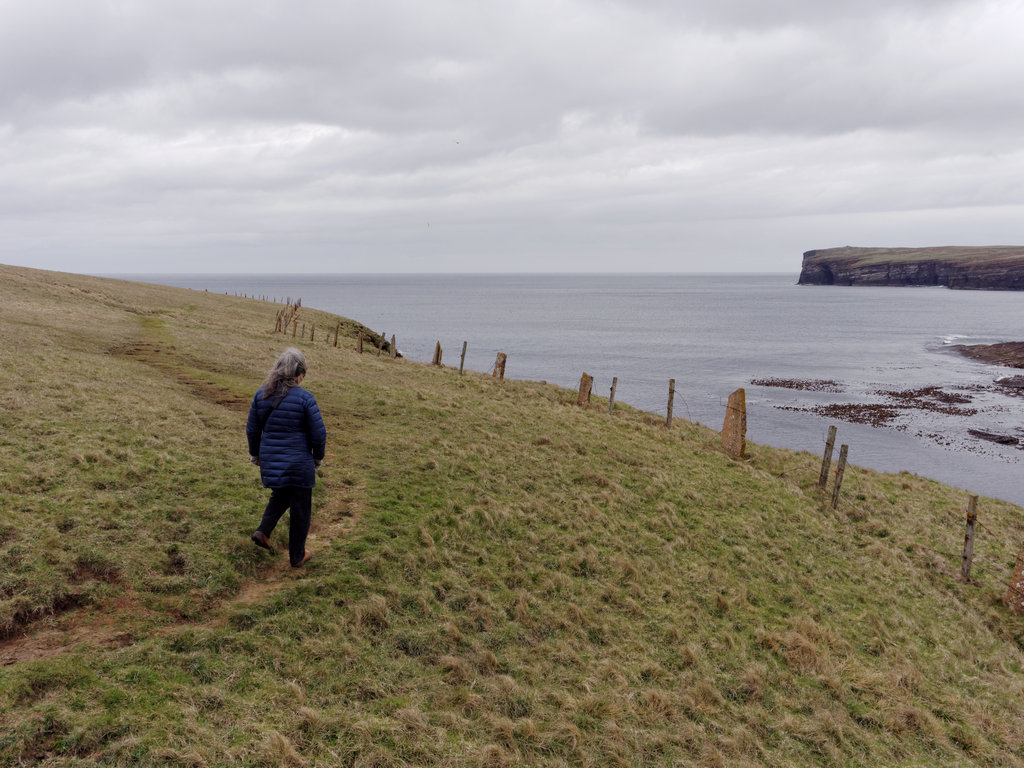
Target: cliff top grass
(854, 256)
(499, 577)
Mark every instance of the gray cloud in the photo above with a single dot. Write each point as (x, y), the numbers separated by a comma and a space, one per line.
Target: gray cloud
(522, 135)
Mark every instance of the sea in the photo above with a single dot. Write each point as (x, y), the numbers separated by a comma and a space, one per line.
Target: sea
(712, 334)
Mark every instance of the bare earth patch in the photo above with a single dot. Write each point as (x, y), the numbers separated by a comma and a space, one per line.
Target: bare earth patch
(108, 625)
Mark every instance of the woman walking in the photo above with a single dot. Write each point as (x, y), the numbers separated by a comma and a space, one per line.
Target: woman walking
(287, 440)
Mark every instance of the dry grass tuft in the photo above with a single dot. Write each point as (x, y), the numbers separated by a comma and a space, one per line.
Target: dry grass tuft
(496, 756)
(457, 669)
(295, 692)
(280, 751)
(661, 704)
(372, 613)
(903, 719)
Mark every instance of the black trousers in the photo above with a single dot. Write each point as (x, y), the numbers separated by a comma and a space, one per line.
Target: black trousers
(300, 501)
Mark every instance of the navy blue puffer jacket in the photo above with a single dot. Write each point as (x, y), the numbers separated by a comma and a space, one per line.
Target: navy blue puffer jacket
(288, 439)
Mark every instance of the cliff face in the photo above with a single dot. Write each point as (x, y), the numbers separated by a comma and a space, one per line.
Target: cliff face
(980, 268)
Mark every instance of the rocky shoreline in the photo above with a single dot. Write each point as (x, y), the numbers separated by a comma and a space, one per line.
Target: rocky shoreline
(894, 403)
(1007, 353)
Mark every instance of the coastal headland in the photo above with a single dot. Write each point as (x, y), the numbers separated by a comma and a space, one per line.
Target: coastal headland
(997, 268)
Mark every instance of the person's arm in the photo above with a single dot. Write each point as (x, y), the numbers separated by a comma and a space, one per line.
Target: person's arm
(253, 432)
(316, 431)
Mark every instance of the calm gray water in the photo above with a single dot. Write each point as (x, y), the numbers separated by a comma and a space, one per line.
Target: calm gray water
(712, 334)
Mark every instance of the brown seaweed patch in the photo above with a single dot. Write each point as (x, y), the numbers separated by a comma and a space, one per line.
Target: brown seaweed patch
(931, 399)
(810, 385)
(874, 414)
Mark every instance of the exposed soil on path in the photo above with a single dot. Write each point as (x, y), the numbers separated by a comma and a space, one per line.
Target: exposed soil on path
(125, 620)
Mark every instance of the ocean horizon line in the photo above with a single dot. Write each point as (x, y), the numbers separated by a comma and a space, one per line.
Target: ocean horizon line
(115, 275)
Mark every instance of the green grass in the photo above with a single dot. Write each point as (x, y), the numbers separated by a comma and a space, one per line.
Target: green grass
(499, 577)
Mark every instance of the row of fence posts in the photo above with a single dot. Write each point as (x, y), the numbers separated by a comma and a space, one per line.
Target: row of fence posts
(267, 299)
(826, 464)
(1015, 589)
(734, 431)
(288, 317)
(734, 428)
(734, 440)
(498, 372)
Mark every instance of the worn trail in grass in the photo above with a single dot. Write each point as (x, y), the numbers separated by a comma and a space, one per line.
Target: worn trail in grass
(522, 582)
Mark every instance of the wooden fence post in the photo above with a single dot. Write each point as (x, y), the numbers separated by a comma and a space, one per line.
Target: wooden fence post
(968, 556)
(337, 332)
(462, 359)
(312, 333)
(359, 343)
(826, 460)
(437, 354)
(586, 383)
(499, 367)
(611, 397)
(734, 428)
(394, 348)
(295, 327)
(671, 398)
(840, 469)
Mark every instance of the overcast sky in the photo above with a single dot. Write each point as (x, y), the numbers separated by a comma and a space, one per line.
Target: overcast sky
(511, 136)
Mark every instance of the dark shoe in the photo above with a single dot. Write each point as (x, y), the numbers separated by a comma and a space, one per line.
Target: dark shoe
(304, 560)
(260, 540)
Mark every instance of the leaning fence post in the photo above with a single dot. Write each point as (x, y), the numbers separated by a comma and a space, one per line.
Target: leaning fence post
(611, 397)
(499, 366)
(437, 354)
(337, 331)
(826, 460)
(586, 383)
(968, 556)
(462, 359)
(840, 469)
(671, 397)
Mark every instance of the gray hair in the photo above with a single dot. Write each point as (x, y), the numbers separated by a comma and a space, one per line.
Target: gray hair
(285, 373)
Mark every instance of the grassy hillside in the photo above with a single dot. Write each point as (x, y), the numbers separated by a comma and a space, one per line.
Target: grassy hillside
(499, 577)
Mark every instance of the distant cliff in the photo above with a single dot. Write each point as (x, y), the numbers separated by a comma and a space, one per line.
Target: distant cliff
(999, 268)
